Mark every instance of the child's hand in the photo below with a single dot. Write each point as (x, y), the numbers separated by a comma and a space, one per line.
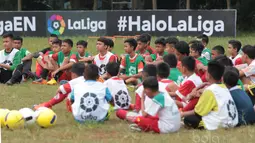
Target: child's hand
(53, 74)
(159, 58)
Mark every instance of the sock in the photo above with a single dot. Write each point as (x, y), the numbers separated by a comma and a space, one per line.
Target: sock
(44, 74)
(121, 114)
(56, 99)
(57, 76)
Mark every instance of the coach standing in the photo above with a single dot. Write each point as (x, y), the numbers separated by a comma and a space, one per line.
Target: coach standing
(9, 58)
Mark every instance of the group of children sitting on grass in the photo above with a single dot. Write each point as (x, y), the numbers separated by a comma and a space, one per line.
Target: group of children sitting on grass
(177, 82)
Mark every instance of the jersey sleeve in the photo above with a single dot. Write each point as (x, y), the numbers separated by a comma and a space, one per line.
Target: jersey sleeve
(250, 70)
(16, 61)
(238, 61)
(140, 66)
(113, 58)
(123, 63)
(206, 103)
(55, 56)
(137, 102)
(27, 53)
(185, 89)
(73, 58)
(66, 88)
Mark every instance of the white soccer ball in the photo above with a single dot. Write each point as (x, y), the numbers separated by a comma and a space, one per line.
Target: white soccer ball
(29, 116)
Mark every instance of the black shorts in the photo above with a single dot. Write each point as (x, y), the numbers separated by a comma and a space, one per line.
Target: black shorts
(5, 75)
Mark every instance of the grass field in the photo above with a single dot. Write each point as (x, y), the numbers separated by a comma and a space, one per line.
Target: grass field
(114, 130)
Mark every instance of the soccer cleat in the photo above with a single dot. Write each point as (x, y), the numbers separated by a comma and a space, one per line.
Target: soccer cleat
(135, 127)
(40, 81)
(9, 82)
(52, 82)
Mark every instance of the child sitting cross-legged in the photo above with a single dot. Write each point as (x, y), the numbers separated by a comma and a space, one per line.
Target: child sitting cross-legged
(90, 99)
(162, 105)
(117, 86)
(64, 90)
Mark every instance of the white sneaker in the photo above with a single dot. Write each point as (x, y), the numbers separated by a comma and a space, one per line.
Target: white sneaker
(135, 127)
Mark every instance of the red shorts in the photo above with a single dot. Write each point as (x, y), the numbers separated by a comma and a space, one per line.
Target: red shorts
(149, 123)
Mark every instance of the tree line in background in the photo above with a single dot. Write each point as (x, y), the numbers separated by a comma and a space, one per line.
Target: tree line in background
(245, 8)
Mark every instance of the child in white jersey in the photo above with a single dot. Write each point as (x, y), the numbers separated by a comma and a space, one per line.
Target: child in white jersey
(162, 105)
(103, 57)
(90, 98)
(64, 90)
(117, 87)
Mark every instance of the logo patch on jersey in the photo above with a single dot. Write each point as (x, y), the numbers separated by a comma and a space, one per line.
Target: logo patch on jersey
(89, 102)
(7, 62)
(132, 70)
(102, 69)
(231, 109)
(122, 99)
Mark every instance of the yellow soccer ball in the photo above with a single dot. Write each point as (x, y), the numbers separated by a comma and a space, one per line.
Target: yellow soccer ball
(3, 113)
(46, 118)
(14, 120)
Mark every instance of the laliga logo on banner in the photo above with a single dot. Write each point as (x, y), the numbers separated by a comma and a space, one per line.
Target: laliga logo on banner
(56, 24)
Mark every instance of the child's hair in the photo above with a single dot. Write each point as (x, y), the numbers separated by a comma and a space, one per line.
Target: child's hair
(198, 47)
(110, 43)
(249, 50)
(220, 50)
(172, 40)
(54, 35)
(216, 70)
(68, 41)
(193, 42)
(83, 43)
(231, 76)
(8, 35)
(204, 38)
(161, 41)
(112, 68)
(132, 42)
(148, 36)
(78, 68)
(150, 70)
(171, 60)
(182, 47)
(91, 72)
(103, 40)
(18, 38)
(189, 63)
(151, 82)
(224, 60)
(236, 44)
(143, 38)
(57, 42)
(163, 70)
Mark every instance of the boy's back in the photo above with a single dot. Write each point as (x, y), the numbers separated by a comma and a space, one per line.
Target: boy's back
(169, 116)
(119, 92)
(217, 107)
(244, 105)
(90, 101)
